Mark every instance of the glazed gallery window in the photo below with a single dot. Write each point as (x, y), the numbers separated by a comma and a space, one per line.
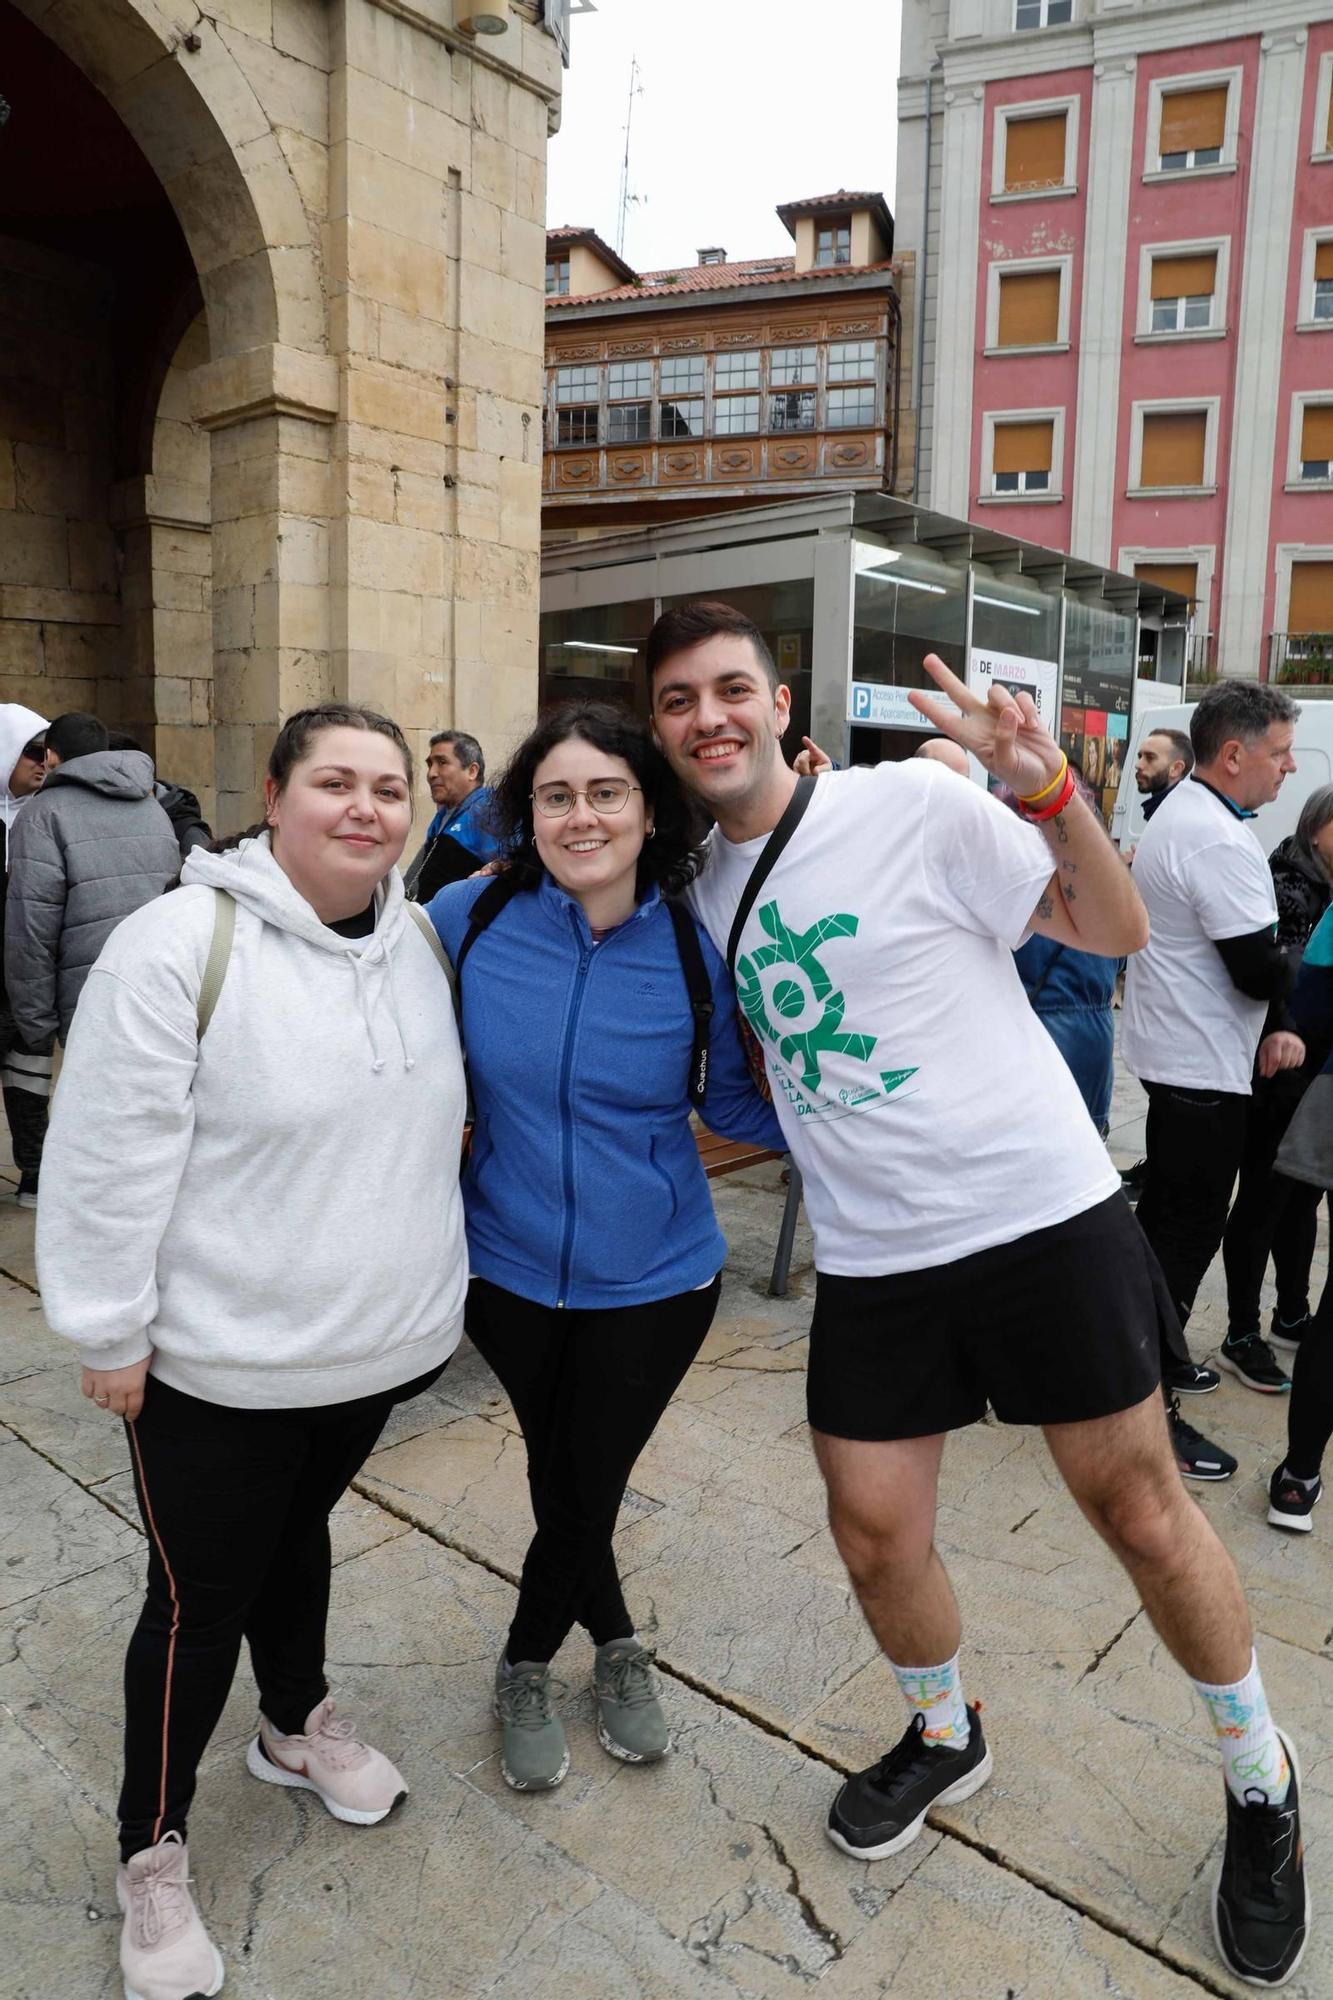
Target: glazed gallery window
(736, 414)
(1021, 457)
(576, 395)
(680, 412)
(629, 388)
(1042, 13)
(851, 361)
(788, 366)
(833, 242)
(1193, 129)
(1183, 292)
(794, 410)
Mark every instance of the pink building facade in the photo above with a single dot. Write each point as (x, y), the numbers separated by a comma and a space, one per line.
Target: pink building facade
(1122, 222)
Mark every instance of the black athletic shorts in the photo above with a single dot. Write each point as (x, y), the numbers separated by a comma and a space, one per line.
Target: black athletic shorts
(1061, 1326)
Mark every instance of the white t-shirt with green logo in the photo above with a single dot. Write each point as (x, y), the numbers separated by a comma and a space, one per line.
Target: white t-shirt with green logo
(927, 1107)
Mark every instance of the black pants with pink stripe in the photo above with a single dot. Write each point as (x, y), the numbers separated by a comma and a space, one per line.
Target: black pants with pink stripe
(236, 1505)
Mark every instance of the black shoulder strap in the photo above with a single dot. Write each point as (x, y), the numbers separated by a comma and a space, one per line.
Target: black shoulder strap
(700, 989)
(484, 911)
(763, 867)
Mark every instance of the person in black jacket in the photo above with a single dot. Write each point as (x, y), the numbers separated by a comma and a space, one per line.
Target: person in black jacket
(1270, 1212)
(182, 808)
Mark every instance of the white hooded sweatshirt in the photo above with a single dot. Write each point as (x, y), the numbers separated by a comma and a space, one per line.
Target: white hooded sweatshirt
(18, 725)
(272, 1211)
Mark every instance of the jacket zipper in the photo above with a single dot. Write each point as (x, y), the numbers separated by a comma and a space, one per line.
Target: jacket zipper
(567, 1118)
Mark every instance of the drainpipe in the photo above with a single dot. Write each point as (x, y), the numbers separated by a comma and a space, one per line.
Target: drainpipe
(923, 265)
(896, 321)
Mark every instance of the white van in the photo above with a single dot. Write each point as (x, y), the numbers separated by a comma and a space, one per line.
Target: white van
(1313, 749)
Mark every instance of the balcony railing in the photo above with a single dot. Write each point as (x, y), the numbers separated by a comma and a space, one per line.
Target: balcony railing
(1306, 657)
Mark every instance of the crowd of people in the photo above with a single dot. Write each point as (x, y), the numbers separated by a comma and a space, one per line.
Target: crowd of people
(633, 926)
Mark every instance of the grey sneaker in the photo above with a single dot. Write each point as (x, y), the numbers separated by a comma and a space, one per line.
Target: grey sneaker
(533, 1753)
(630, 1722)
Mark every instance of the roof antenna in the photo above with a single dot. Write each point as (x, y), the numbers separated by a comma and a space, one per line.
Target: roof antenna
(635, 90)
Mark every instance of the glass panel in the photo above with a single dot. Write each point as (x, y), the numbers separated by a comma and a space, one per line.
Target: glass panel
(907, 604)
(834, 245)
(850, 407)
(734, 415)
(1058, 11)
(792, 364)
(1095, 695)
(578, 426)
(1199, 311)
(1323, 298)
(793, 412)
(784, 613)
(576, 385)
(851, 360)
(1164, 315)
(683, 418)
(736, 371)
(629, 378)
(682, 374)
(629, 423)
(1174, 161)
(593, 652)
(1027, 14)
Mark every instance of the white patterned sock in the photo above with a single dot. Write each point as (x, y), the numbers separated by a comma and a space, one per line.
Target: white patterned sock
(1254, 1763)
(936, 1693)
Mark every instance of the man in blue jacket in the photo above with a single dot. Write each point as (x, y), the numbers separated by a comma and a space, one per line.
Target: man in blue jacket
(459, 839)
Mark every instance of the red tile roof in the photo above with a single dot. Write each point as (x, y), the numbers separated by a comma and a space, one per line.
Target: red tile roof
(715, 278)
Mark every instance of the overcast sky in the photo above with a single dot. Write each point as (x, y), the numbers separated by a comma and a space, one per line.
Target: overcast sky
(745, 103)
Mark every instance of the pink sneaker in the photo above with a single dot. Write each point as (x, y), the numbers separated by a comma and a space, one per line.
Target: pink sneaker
(165, 1952)
(356, 1783)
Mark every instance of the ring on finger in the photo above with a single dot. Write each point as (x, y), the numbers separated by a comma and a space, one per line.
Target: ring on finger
(102, 1401)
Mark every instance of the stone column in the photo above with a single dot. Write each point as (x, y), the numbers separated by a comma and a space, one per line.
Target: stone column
(1101, 355)
(270, 414)
(166, 598)
(956, 278)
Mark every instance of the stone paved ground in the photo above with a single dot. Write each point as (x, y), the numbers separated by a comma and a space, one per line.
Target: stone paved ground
(1083, 1869)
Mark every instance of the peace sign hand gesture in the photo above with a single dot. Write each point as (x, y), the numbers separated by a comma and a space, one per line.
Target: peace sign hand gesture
(1004, 732)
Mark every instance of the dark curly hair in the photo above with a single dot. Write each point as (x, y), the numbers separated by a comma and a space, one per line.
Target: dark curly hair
(670, 859)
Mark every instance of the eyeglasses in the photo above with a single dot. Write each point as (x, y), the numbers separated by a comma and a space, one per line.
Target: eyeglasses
(608, 795)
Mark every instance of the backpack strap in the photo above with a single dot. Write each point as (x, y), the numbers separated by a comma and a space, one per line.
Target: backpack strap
(700, 989)
(432, 937)
(759, 874)
(483, 913)
(219, 957)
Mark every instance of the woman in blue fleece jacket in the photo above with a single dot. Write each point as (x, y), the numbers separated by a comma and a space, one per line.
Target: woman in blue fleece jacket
(595, 1253)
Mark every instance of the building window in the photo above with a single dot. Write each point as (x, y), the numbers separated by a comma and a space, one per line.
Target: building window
(736, 371)
(1310, 606)
(682, 375)
(734, 416)
(629, 378)
(1029, 309)
(1322, 136)
(1042, 13)
(557, 277)
(790, 365)
(629, 423)
(1181, 576)
(794, 411)
(576, 385)
(1035, 152)
(851, 361)
(1316, 448)
(682, 418)
(1193, 128)
(1174, 449)
(576, 425)
(1321, 301)
(1183, 290)
(849, 409)
(1021, 457)
(833, 242)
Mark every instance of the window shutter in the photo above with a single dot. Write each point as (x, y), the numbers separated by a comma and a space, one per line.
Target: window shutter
(1317, 431)
(1023, 447)
(1193, 119)
(1034, 152)
(1184, 277)
(1173, 448)
(1183, 577)
(1323, 259)
(1311, 607)
(1029, 308)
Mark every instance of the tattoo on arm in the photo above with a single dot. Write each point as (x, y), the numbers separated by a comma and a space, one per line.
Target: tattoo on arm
(1061, 830)
(1045, 907)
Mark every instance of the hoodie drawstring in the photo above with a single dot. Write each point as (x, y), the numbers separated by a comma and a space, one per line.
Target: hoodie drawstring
(409, 1060)
(362, 969)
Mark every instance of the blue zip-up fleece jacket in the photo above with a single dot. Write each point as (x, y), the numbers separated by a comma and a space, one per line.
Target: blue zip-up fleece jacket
(584, 1187)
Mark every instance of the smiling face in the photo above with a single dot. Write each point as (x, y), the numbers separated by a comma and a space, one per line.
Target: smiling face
(719, 720)
(341, 820)
(592, 853)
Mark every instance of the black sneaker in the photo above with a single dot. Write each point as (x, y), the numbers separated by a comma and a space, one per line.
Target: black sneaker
(1190, 1378)
(1196, 1457)
(1260, 1907)
(1132, 1179)
(882, 1810)
(1286, 1335)
(1252, 1361)
(27, 1191)
(1291, 1501)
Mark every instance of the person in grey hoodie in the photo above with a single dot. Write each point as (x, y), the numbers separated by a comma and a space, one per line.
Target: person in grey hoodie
(251, 1230)
(93, 845)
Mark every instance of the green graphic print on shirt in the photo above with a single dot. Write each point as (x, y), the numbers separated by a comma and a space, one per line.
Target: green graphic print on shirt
(791, 998)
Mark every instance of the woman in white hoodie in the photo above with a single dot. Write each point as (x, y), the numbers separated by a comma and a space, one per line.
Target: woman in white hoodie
(215, 1239)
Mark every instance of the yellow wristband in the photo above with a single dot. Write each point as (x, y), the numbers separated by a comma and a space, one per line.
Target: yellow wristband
(1058, 780)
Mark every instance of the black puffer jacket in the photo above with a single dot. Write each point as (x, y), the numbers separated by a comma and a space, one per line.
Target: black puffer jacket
(1302, 891)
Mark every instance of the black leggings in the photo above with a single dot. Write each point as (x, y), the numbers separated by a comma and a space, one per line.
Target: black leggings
(1310, 1405)
(588, 1388)
(236, 1507)
(1270, 1213)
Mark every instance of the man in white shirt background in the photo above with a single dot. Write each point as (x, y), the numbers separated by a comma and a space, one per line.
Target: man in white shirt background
(1195, 1005)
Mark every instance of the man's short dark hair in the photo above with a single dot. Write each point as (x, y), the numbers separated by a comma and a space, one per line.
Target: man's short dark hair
(688, 625)
(1180, 746)
(76, 735)
(120, 739)
(1237, 711)
(466, 749)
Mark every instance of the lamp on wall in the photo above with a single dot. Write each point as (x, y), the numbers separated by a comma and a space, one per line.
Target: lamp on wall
(488, 17)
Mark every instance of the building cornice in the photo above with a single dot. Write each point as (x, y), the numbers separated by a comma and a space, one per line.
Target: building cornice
(1114, 36)
(656, 300)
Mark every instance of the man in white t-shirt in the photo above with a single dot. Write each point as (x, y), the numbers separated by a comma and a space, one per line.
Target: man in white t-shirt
(972, 1244)
(1195, 1004)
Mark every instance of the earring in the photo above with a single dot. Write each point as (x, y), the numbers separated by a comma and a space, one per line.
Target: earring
(651, 833)
(534, 840)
